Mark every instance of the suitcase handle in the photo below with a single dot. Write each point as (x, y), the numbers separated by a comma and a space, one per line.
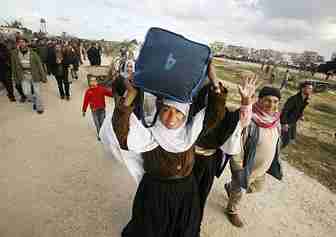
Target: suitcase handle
(141, 114)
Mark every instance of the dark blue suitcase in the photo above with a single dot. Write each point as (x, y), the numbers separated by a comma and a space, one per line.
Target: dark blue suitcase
(172, 66)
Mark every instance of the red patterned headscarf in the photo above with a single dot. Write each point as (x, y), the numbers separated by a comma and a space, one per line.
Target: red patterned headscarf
(264, 119)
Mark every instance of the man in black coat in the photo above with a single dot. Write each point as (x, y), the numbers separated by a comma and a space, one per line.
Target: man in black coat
(6, 72)
(51, 57)
(293, 111)
(42, 50)
(94, 55)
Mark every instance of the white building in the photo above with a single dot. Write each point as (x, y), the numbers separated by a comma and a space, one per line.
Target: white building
(287, 59)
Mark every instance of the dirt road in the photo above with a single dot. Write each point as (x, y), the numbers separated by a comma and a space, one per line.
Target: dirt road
(56, 182)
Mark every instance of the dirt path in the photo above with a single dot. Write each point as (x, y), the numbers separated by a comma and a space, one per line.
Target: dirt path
(55, 182)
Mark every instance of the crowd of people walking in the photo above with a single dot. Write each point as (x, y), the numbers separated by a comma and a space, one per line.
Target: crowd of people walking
(24, 64)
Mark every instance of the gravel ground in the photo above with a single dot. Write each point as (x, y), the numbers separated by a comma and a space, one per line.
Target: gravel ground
(56, 182)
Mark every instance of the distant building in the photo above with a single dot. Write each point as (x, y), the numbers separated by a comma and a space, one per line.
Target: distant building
(305, 59)
(9, 30)
(265, 55)
(295, 59)
(236, 51)
(312, 58)
(287, 59)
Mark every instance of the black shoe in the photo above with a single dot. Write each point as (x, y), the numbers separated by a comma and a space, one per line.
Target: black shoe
(40, 111)
(68, 98)
(62, 97)
(12, 99)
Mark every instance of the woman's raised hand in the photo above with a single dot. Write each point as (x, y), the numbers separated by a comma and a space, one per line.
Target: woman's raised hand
(247, 88)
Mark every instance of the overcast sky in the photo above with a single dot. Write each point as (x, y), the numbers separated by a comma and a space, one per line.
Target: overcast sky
(291, 25)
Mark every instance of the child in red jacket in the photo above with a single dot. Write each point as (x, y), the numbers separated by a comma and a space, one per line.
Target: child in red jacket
(95, 96)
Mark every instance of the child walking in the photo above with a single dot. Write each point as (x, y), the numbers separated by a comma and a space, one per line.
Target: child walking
(95, 96)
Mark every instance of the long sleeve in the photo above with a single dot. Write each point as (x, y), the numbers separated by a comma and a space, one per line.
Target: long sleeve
(86, 101)
(214, 103)
(119, 86)
(216, 136)
(39, 66)
(222, 124)
(120, 123)
(217, 121)
(13, 66)
(288, 107)
(107, 92)
(216, 108)
(245, 115)
(232, 145)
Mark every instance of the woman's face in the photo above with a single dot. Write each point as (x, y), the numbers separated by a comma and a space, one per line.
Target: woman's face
(171, 118)
(93, 83)
(58, 47)
(308, 90)
(130, 68)
(270, 104)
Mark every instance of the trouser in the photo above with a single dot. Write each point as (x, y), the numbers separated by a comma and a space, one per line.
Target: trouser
(288, 136)
(235, 191)
(63, 86)
(98, 118)
(45, 68)
(35, 97)
(18, 87)
(284, 84)
(75, 69)
(8, 83)
(272, 79)
(74, 73)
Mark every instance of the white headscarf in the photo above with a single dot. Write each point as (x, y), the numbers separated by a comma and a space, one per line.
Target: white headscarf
(182, 107)
(141, 139)
(124, 73)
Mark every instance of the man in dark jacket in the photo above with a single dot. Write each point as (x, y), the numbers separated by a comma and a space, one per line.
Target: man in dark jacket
(42, 50)
(5, 70)
(94, 55)
(51, 57)
(100, 50)
(293, 111)
(27, 70)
